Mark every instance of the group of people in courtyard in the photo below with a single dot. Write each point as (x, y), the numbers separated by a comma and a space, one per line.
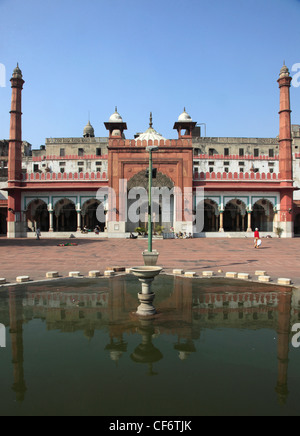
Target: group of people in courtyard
(180, 235)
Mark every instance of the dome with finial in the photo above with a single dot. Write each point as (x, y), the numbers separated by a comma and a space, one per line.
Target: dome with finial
(17, 73)
(115, 117)
(150, 134)
(284, 72)
(88, 131)
(184, 117)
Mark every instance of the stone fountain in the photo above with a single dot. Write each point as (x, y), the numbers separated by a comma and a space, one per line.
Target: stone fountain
(146, 275)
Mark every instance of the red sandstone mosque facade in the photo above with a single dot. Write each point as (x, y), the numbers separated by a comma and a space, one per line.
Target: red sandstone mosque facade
(57, 187)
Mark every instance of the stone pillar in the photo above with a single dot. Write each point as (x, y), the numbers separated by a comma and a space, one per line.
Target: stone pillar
(50, 220)
(221, 229)
(237, 221)
(249, 229)
(78, 220)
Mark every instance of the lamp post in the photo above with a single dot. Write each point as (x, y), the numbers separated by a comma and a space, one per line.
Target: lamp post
(150, 257)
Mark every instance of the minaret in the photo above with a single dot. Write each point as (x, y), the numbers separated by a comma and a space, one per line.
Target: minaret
(15, 156)
(285, 154)
(184, 125)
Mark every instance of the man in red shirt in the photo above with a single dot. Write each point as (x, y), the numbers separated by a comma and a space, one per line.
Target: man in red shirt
(256, 238)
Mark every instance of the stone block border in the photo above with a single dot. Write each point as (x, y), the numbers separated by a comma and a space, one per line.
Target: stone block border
(262, 276)
(75, 274)
(22, 279)
(52, 274)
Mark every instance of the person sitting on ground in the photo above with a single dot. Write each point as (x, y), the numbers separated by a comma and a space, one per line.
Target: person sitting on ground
(97, 230)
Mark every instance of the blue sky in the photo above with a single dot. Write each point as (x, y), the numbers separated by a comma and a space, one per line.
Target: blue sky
(219, 58)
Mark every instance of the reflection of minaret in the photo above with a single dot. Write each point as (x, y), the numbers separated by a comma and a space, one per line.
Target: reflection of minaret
(185, 349)
(116, 302)
(146, 352)
(183, 294)
(16, 336)
(283, 330)
(116, 348)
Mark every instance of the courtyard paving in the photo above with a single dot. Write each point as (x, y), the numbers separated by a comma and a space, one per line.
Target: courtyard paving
(278, 257)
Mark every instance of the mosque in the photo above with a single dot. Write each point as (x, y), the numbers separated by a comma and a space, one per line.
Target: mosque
(66, 185)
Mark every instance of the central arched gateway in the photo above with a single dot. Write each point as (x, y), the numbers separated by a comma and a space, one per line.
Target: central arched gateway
(162, 202)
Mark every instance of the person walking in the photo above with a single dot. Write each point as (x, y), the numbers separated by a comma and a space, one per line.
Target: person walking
(38, 234)
(256, 238)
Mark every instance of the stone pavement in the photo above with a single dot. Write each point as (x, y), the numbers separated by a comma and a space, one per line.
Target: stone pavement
(278, 257)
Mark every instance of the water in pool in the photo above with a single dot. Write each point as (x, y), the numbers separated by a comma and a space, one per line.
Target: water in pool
(215, 347)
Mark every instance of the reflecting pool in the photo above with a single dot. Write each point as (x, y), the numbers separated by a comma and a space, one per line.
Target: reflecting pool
(215, 347)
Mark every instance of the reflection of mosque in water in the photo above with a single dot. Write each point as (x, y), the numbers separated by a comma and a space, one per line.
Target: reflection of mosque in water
(183, 313)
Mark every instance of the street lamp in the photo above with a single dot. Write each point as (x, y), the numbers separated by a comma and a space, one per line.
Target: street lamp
(150, 257)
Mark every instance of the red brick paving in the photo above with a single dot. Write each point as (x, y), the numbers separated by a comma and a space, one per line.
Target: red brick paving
(278, 257)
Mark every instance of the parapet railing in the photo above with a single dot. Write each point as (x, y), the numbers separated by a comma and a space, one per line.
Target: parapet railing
(236, 176)
(34, 177)
(234, 157)
(70, 157)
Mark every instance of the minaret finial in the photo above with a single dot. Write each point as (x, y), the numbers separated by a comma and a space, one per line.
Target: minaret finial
(150, 124)
(116, 109)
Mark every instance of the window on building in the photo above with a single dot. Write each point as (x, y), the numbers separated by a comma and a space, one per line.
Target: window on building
(35, 168)
(256, 152)
(62, 164)
(80, 151)
(226, 169)
(80, 169)
(241, 152)
(241, 164)
(271, 164)
(271, 152)
(80, 164)
(211, 163)
(271, 170)
(211, 151)
(211, 169)
(98, 169)
(62, 170)
(226, 151)
(98, 152)
(62, 152)
(241, 169)
(98, 164)
(226, 164)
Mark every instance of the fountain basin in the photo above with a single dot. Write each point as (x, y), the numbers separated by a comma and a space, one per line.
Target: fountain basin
(146, 272)
(146, 275)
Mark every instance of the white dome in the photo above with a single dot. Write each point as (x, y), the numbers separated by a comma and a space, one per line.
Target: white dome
(150, 134)
(184, 117)
(115, 118)
(88, 130)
